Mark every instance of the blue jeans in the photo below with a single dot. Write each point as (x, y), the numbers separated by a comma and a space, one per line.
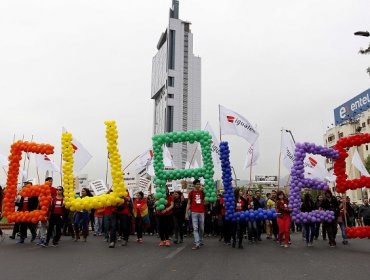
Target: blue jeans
(81, 223)
(309, 229)
(343, 230)
(198, 227)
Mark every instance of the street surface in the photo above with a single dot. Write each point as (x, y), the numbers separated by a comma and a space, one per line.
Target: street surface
(262, 260)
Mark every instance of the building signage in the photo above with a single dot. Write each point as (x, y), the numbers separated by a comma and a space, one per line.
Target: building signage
(352, 108)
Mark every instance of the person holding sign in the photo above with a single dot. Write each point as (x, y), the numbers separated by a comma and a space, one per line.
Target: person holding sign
(196, 206)
(56, 213)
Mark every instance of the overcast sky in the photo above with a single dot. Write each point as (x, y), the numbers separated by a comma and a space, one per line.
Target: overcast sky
(78, 63)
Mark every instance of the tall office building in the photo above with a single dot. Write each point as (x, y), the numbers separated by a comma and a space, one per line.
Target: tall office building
(176, 85)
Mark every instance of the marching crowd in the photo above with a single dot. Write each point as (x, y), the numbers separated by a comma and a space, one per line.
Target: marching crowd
(188, 216)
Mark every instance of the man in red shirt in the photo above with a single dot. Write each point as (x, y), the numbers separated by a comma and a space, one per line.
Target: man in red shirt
(196, 206)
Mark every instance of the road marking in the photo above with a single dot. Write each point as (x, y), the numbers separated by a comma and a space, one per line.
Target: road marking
(174, 253)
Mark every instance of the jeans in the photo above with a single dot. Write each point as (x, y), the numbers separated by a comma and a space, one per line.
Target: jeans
(81, 222)
(252, 230)
(98, 225)
(343, 230)
(309, 229)
(331, 229)
(198, 227)
(178, 221)
(57, 221)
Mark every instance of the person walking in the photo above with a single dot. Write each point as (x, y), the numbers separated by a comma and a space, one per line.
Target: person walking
(309, 227)
(196, 206)
(283, 218)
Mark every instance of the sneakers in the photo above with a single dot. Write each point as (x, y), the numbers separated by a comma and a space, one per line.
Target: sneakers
(345, 242)
(195, 247)
(167, 243)
(140, 240)
(20, 241)
(161, 243)
(125, 242)
(111, 245)
(175, 242)
(286, 246)
(2, 237)
(44, 245)
(240, 246)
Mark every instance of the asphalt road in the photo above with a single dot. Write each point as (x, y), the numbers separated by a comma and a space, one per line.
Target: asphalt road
(263, 260)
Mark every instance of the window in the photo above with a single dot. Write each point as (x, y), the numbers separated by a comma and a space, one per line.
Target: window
(368, 121)
(363, 124)
(171, 81)
(367, 147)
(170, 95)
(331, 138)
(169, 127)
(171, 58)
(340, 135)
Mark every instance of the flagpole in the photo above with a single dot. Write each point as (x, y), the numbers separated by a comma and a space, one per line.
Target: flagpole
(196, 149)
(279, 170)
(61, 164)
(28, 164)
(219, 119)
(250, 168)
(37, 172)
(281, 142)
(131, 162)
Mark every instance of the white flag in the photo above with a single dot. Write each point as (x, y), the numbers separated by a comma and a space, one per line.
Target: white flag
(215, 145)
(187, 165)
(43, 162)
(357, 162)
(150, 169)
(287, 149)
(80, 155)
(252, 155)
(235, 124)
(194, 165)
(167, 157)
(4, 162)
(315, 169)
(145, 158)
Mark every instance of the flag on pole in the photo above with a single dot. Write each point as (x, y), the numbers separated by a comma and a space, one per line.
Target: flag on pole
(235, 124)
(167, 157)
(215, 145)
(287, 149)
(194, 165)
(252, 155)
(315, 169)
(187, 165)
(145, 158)
(357, 162)
(43, 162)
(80, 155)
(4, 162)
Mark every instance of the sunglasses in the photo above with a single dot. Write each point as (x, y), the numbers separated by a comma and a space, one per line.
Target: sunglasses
(59, 189)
